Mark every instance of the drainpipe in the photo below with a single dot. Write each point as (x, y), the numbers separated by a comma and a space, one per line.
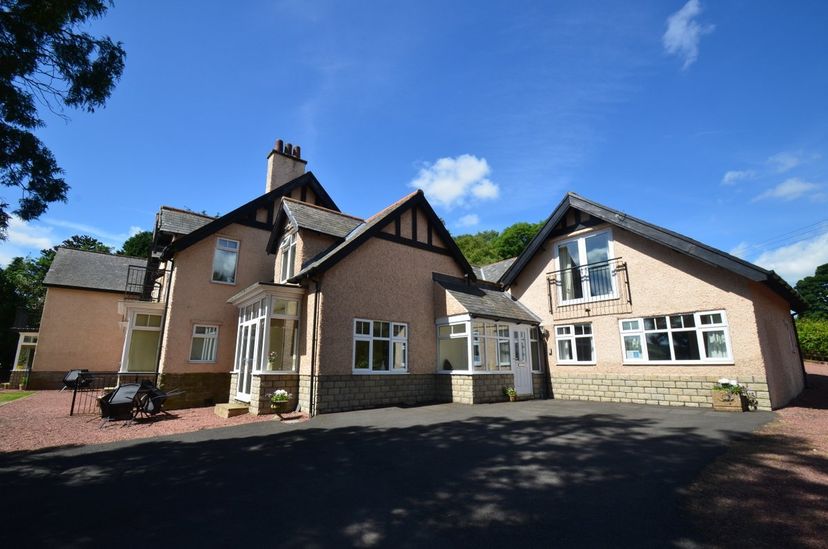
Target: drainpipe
(167, 288)
(548, 391)
(311, 404)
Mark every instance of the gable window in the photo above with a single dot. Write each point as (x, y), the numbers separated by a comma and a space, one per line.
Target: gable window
(225, 260)
(288, 249)
(687, 337)
(585, 267)
(380, 346)
(575, 344)
(203, 345)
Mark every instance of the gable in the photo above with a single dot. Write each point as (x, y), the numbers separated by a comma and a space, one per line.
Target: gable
(258, 213)
(576, 212)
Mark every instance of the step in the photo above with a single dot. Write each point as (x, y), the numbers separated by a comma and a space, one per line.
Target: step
(231, 409)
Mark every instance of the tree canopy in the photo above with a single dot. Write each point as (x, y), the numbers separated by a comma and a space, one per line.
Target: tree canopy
(137, 245)
(814, 290)
(488, 247)
(46, 59)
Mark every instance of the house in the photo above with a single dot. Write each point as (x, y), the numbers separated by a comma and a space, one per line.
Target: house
(288, 292)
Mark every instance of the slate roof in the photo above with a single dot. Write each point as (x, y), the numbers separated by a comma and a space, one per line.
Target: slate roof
(485, 302)
(320, 219)
(92, 270)
(177, 221)
(666, 237)
(493, 271)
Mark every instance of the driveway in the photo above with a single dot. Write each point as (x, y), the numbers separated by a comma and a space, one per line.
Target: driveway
(538, 473)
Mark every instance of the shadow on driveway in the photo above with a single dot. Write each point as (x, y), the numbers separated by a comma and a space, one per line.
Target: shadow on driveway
(539, 473)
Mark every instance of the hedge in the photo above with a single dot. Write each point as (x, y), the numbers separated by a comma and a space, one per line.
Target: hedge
(813, 338)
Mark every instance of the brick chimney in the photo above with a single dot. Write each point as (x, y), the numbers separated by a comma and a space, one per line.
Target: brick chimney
(284, 163)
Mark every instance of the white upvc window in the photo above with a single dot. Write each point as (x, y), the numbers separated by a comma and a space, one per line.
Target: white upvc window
(204, 342)
(575, 344)
(380, 347)
(26, 348)
(141, 345)
(225, 261)
(491, 346)
(586, 270)
(288, 251)
(534, 344)
(695, 338)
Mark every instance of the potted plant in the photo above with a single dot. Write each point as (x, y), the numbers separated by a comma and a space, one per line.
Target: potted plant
(730, 396)
(279, 399)
(510, 392)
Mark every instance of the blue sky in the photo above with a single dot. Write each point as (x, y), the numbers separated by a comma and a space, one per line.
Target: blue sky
(708, 118)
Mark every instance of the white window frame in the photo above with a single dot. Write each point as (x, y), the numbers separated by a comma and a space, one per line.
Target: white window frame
(699, 328)
(131, 327)
(288, 250)
(226, 249)
(583, 267)
(23, 343)
(205, 336)
(571, 337)
(370, 338)
(478, 341)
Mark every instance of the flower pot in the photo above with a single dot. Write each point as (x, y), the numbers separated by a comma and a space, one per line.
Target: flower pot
(22, 386)
(512, 398)
(729, 402)
(281, 405)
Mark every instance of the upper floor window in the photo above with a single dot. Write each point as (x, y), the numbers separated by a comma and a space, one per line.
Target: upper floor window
(225, 260)
(690, 337)
(288, 249)
(585, 268)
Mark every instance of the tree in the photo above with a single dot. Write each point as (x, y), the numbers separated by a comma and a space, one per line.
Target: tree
(515, 238)
(478, 248)
(137, 245)
(45, 58)
(814, 290)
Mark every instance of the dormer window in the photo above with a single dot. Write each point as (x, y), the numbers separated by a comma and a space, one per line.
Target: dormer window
(225, 260)
(288, 249)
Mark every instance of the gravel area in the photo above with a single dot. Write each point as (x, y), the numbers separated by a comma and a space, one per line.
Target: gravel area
(42, 421)
(772, 490)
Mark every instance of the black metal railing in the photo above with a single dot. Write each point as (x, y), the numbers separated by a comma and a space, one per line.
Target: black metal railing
(92, 386)
(144, 283)
(595, 289)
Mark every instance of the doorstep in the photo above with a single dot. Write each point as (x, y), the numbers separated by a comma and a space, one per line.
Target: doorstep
(231, 409)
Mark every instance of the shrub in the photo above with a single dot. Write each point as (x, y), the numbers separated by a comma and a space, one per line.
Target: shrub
(813, 338)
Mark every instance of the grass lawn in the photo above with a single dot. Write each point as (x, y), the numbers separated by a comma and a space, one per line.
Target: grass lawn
(8, 396)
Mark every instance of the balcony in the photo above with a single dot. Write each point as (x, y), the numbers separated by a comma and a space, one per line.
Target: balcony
(144, 283)
(595, 289)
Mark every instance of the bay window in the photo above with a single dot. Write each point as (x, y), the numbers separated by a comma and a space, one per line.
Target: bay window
(490, 346)
(453, 347)
(574, 343)
(380, 346)
(686, 337)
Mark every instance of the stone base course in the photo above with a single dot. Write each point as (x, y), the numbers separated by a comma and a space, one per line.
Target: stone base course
(261, 385)
(473, 389)
(353, 392)
(200, 389)
(688, 390)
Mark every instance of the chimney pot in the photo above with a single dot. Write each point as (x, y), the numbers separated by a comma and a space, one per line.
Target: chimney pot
(280, 145)
(288, 149)
(284, 163)
(297, 151)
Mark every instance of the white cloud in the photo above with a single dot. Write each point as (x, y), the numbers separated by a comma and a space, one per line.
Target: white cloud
(740, 250)
(134, 229)
(684, 33)
(107, 237)
(25, 235)
(731, 177)
(469, 220)
(789, 189)
(784, 161)
(797, 260)
(453, 181)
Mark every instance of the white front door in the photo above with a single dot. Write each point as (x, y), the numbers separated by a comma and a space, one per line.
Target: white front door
(520, 360)
(246, 357)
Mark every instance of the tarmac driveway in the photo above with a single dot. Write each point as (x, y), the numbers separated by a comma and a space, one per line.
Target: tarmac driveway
(538, 473)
